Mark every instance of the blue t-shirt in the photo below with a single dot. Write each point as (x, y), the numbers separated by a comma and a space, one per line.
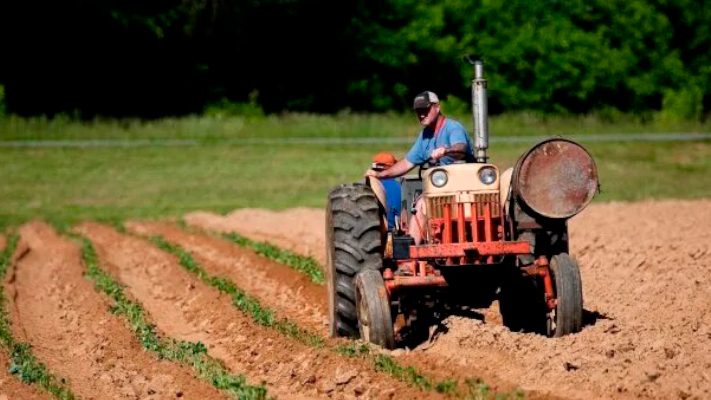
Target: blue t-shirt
(393, 198)
(450, 133)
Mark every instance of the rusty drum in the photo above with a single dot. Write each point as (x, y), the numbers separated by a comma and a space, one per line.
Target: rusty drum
(557, 178)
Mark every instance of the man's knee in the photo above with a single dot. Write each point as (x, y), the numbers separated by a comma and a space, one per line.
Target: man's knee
(420, 207)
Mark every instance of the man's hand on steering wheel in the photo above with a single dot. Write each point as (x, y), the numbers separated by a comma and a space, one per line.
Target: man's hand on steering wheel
(438, 153)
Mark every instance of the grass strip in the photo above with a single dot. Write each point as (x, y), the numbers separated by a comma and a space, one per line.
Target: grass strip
(266, 317)
(242, 300)
(22, 363)
(193, 354)
(305, 265)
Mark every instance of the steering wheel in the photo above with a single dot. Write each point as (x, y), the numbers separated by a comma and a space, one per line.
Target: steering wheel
(468, 157)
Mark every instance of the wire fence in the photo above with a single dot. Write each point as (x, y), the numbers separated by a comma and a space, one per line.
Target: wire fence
(305, 141)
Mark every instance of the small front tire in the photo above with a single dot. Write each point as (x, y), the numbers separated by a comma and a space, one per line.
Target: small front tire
(375, 321)
(567, 317)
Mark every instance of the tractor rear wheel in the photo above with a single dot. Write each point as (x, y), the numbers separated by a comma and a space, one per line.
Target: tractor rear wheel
(375, 321)
(353, 244)
(567, 317)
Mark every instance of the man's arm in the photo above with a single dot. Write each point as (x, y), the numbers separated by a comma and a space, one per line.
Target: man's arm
(399, 169)
(457, 152)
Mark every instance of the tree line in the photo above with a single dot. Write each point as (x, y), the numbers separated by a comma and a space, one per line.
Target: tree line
(173, 57)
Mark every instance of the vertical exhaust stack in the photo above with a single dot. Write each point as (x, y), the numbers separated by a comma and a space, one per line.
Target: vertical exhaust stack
(480, 109)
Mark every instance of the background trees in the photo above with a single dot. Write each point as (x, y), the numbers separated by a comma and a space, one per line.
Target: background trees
(172, 57)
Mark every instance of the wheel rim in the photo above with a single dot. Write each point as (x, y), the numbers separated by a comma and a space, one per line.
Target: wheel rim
(363, 318)
(551, 324)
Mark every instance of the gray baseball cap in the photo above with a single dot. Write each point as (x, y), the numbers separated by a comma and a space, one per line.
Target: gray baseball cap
(425, 99)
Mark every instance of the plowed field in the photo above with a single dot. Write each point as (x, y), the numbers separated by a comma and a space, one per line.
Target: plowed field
(647, 295)
(647, 305)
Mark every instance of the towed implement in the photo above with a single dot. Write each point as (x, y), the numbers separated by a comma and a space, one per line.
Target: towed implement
(487, 236)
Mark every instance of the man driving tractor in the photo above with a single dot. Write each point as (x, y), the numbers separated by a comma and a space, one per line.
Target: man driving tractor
(477, 235)
(441, 141)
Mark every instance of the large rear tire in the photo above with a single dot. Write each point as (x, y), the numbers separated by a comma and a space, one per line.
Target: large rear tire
(375, 321)
(353, 244)
(567, 317)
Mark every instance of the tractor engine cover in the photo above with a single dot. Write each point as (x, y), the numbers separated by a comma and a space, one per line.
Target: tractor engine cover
(556, 178)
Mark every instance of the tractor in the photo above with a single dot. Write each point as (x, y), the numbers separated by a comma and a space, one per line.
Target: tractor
(488, 235)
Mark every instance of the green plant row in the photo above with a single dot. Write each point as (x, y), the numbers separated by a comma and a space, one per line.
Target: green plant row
(22, 363)
(471, 389)
(193, 354)
(266, 317)
(243, 301)
(305, 265)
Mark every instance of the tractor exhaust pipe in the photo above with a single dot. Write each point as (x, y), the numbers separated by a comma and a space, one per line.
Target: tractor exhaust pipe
(480, 110)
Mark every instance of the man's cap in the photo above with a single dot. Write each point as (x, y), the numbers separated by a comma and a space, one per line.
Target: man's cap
(425, 99)
(384, 159)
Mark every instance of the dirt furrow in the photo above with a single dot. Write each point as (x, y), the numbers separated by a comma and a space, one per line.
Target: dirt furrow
(185, 308)
(10, 386)
(71, 330)
(271, 280)
(300, 230)
(288, 292)
(646, 289)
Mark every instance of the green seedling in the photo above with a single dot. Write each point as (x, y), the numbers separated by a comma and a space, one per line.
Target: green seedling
(193, 354)
(22, 363)
(266, 317)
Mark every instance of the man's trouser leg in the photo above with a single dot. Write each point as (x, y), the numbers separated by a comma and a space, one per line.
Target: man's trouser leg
(417, 221)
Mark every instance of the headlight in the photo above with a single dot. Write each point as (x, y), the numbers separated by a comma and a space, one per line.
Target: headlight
(439, 178)
(487, 175)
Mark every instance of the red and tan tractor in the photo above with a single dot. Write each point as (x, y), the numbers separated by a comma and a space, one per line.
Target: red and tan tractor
(487, 236)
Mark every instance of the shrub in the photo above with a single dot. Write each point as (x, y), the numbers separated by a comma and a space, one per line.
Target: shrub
(684, 104)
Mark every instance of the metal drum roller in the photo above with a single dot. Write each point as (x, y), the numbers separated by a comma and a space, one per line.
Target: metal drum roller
(556, 178)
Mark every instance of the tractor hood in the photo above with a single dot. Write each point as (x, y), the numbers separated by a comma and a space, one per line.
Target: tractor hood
(456, 179)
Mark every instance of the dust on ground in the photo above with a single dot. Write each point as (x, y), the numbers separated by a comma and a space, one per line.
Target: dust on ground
(647, 295)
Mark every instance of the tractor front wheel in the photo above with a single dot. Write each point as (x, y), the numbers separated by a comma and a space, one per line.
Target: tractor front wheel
(375, 321)
(567, 317)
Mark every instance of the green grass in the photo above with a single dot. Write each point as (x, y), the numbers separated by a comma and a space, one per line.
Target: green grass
(314, 125)
(193, 354)
(67, 185)
(266, 317)
(22, 363)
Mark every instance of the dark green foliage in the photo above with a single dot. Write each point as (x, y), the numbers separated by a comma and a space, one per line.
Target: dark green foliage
(187, 353)
(176, 56)
(22, 363)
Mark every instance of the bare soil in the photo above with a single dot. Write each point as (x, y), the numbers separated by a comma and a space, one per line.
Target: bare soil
(647, 297)
(11, 387)
(288, 292)
(70, 328)
(185, 308)
(280, 288)
(300, 230)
